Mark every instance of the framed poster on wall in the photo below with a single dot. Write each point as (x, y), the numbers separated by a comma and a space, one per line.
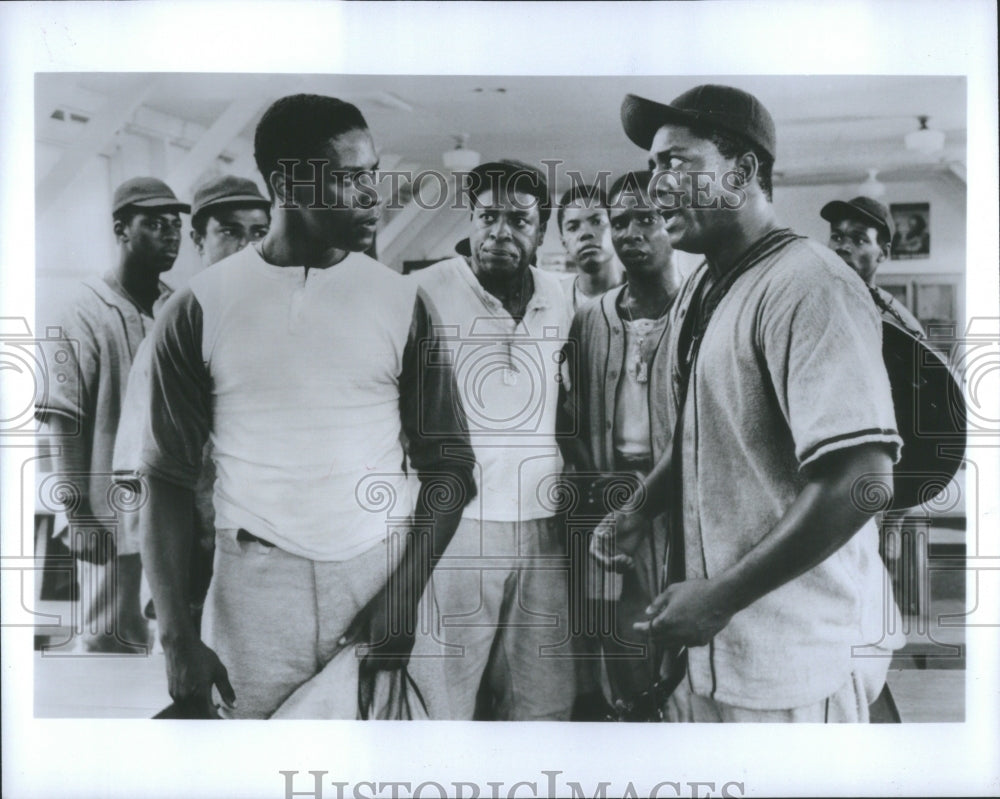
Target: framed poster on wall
(913, 230)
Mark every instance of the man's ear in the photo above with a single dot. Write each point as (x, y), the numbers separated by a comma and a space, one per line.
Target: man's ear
(884, 251)
(276, 181)
(199, 241)
(746, 167)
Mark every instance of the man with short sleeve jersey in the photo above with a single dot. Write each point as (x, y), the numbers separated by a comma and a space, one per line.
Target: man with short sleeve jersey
(105, 324)
(786, 432)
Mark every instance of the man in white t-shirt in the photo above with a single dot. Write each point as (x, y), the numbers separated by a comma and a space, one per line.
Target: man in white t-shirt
(497, 647)
(307, 363)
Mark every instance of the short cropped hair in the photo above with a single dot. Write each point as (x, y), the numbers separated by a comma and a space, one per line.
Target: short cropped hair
(732, 145)
(581, 192)
(635, 184)
(296, 127)
(509, 174)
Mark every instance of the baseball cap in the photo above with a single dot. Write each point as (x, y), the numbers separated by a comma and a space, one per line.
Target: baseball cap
(146, 192)
(722, 108)
(864, 209)
(226, 190)
(508, 173)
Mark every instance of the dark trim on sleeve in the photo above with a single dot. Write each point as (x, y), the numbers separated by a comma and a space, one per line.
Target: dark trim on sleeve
(432, 415)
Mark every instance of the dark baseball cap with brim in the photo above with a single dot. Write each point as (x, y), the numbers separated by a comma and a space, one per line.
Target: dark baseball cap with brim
(227, 190)
(147, 193)
(722, 108)
(510, 174)
(863, 209)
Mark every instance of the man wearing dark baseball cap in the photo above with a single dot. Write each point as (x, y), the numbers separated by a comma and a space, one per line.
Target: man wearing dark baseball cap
(782, 414)
(861, 234)
(509, 321)
(227, 213)
(147, 193)
(147, 224)
(107, 320)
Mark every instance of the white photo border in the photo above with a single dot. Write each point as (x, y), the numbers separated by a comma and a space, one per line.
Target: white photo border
(85, 758)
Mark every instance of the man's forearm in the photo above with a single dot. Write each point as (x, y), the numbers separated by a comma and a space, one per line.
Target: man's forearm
(823, 517)
(166, 521)
(439, 510)
(73, 460)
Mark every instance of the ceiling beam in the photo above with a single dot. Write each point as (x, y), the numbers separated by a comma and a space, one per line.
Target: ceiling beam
(214, 141)
(402, 228)
(93, 138)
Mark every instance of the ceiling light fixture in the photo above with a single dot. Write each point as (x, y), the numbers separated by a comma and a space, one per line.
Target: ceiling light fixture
(924, 140)
(460, 158)
(871, 187)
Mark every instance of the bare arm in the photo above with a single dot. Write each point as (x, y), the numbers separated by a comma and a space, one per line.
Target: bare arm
(166, 523)
(823, 517)
(176, 428)
(73, 460)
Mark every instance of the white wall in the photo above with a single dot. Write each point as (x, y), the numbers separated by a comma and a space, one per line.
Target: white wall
(799, 206)
(74, 238)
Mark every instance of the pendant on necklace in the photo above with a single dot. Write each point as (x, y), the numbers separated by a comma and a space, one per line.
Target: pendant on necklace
(642, 372)
(509, 376)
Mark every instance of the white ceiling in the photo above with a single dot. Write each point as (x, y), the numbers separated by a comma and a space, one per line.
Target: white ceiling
(829, 127)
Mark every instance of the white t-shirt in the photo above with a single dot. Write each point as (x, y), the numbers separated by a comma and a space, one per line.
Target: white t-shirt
(304, 382)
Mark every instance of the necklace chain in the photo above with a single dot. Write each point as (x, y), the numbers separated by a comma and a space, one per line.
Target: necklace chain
(641, 366)
(625, 304)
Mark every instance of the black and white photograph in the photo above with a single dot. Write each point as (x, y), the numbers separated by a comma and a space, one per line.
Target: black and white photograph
(487, 429)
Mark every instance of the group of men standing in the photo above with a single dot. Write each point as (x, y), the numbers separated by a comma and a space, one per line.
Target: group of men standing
(504, 566)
